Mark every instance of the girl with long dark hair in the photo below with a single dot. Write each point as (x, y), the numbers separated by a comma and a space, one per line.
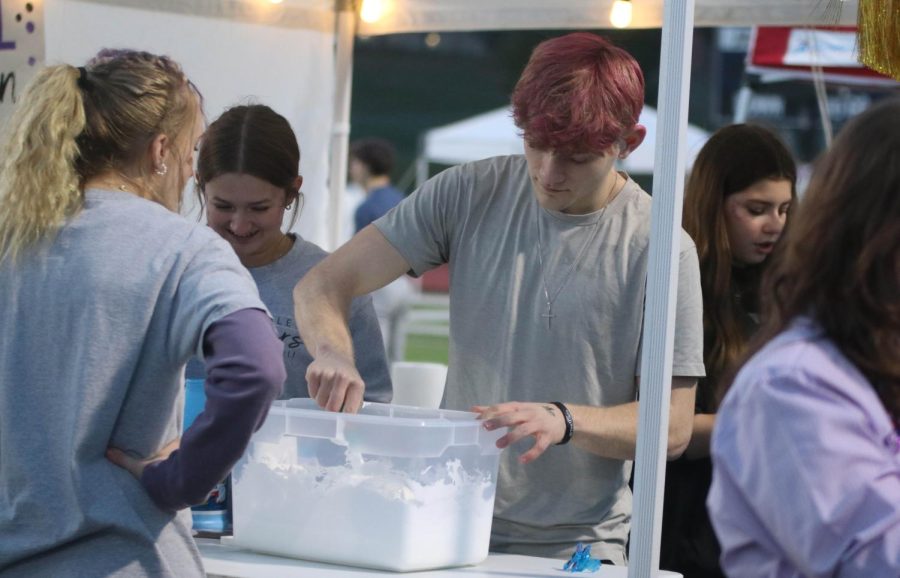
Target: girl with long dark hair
(806, 450)
(736, 207)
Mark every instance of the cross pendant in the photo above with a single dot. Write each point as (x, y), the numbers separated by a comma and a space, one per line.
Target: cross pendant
(549, 315)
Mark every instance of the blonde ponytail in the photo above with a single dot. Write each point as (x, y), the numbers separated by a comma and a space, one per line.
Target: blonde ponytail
(39, 185)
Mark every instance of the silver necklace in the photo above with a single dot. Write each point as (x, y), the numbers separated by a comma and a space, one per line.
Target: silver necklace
(573, 267)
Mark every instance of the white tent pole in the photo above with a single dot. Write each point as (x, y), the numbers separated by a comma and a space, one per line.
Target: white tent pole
(340, 128)
(662, 285)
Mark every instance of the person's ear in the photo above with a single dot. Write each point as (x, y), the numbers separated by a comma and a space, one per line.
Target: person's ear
(632, 140)
(293, 193)
(159, 152)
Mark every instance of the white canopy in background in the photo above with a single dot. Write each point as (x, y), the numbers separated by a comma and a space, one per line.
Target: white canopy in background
(484, 135)
(493, 133)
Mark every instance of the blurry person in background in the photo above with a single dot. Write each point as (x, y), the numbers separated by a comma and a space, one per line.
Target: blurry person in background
(806, 448)
(248, 176)
(370, 165)
(105, 293)
(736, 206)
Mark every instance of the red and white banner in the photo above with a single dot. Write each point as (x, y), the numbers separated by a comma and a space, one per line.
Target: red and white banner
(787, 53)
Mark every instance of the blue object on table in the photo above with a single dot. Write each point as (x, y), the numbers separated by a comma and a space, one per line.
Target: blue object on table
(215, 515)
(581, 560)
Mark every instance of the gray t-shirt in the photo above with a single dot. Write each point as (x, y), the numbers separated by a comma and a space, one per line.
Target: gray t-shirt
(96, 327)
(482, 218)
(276, 283)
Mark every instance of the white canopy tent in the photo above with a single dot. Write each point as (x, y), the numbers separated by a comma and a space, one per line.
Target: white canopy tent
(677, 19)
(493, 133)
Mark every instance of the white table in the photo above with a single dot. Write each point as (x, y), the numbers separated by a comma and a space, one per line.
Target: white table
(226, 560)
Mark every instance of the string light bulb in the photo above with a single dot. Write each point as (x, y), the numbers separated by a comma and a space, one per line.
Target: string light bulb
(371, 11)
(620, 14)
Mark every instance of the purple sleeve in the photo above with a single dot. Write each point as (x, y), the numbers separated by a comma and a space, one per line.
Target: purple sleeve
(245, 373)
(807, 477)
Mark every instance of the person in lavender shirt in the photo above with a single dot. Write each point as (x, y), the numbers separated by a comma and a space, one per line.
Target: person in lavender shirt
(105, 293)
(806, 451)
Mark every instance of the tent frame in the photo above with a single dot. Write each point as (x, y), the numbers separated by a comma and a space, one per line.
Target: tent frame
(662, 288)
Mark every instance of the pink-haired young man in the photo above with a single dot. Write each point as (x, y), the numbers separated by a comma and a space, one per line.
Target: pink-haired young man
(548, 261)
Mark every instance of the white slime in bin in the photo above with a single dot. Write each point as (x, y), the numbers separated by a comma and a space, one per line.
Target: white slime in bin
(311, 495)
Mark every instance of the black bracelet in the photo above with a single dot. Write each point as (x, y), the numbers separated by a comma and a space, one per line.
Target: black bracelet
(570, 423)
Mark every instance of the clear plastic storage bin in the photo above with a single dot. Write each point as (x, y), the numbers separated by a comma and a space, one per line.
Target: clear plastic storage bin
(392, 487)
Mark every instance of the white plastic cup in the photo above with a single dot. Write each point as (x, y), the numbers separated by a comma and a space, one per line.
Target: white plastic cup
(418, 383)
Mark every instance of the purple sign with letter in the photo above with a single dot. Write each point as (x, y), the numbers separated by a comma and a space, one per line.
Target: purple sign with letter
(21, 48)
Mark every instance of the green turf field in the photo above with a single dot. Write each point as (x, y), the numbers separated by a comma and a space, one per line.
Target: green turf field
(426, 348)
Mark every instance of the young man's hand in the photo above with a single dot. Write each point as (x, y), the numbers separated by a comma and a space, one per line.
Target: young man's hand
(543, 421)
(334, 382)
